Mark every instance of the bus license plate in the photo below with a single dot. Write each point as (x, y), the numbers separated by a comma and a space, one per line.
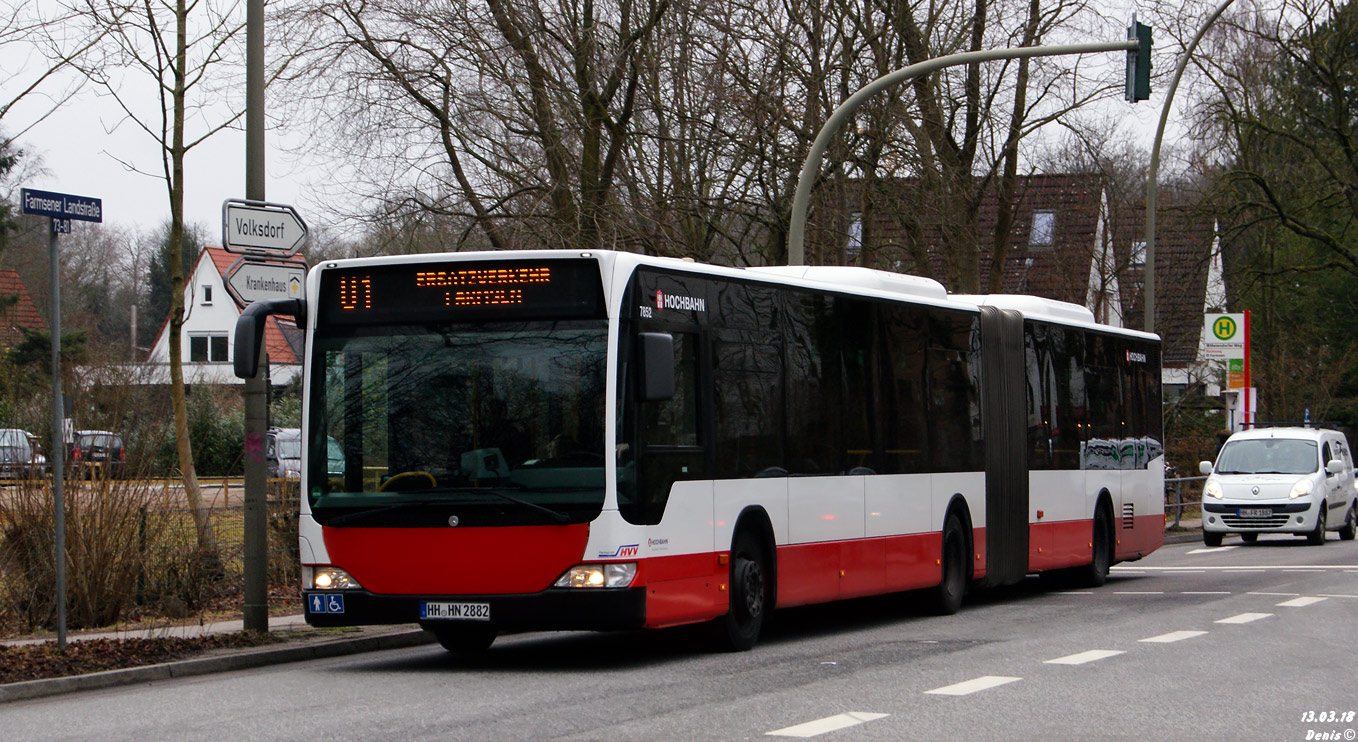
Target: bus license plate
(455, 611)
(1256, 512)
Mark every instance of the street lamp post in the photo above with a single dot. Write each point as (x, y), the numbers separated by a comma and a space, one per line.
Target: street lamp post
(1152, 191)
(796, 249)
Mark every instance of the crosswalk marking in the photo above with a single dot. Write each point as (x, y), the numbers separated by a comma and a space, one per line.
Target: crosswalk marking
(1173, 636)
(1299, 602)
(1244, 618)
(985, 682)
(828, 724)
(1083, 657)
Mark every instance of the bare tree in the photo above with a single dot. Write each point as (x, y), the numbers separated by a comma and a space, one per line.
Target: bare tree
(183, 50)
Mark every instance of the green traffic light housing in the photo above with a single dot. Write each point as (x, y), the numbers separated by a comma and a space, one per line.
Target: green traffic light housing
(1139, 62)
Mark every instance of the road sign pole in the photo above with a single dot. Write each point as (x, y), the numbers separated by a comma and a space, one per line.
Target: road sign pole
(256, 612)
(58, 454)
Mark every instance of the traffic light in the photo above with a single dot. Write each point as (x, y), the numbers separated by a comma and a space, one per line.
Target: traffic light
(1139, 62)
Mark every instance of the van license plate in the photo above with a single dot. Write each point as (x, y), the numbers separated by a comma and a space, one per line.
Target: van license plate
(455, 611)
(1256, 512)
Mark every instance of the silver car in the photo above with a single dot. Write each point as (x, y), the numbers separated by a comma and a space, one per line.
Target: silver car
(1280, 480)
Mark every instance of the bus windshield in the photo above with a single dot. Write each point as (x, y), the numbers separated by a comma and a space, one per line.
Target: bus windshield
(493, 423)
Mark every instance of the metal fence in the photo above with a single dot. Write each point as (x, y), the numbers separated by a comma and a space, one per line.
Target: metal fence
(1182, 493)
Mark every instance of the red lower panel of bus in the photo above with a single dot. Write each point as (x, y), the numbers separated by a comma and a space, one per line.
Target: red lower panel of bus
(456, 561)
(1068, 543)
(684, 589)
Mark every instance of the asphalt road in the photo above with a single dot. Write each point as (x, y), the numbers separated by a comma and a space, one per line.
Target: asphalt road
(1239, 642)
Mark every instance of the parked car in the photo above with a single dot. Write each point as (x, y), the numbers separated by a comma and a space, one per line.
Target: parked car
(39, 468)
(97, 454)
(1280, 480)
(17, 455)
(283, 454)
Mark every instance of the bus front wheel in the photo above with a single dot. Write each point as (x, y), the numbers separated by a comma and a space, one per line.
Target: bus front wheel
(739, 629)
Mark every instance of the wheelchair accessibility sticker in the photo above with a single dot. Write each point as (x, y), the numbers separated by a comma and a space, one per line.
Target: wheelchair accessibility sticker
(325, 603)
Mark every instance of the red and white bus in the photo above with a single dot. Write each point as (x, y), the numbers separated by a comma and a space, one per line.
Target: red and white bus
(601, 440)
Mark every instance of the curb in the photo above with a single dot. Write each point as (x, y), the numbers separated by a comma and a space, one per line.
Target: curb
(203, 665)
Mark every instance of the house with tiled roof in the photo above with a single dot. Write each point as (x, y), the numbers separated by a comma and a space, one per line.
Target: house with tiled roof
(209, 330)
(19, 316)
(1066, 242)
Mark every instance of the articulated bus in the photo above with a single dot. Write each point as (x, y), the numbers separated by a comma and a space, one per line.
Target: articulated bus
(555, 440)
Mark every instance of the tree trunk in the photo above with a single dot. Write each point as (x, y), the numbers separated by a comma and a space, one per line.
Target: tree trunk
(207, 540)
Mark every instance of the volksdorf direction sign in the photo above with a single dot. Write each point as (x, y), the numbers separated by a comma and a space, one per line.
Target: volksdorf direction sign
(256, 228)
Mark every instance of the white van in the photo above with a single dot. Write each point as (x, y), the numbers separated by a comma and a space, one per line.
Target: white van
(1280, 480)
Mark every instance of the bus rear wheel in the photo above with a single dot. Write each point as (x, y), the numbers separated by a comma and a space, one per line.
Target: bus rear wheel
(471, 639)
(1096, 573)
(952, 586)
(739, 629)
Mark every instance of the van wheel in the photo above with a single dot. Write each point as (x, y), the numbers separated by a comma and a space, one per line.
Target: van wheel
(473, 639)
(952, 586)
(1317, 536)
(1350, 524)
(739, 629)
(1211, 539)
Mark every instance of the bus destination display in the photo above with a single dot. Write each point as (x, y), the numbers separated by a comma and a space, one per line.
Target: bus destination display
(420, 292)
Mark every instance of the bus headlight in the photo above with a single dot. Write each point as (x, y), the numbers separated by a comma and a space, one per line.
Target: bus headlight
(1212, 489)
(332, 578)
(612, 574)
(1301, 489)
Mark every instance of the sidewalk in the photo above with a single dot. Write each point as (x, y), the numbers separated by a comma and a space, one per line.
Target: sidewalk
(300, 646)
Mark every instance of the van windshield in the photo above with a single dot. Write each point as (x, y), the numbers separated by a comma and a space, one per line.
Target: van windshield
(1268, 456)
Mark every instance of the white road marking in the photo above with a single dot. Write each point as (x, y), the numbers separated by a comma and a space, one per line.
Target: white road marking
(1083, 657)
(1299, 602)
(985, 682)
(1323, 595)
(1213, 549)
(1173, 636)
(1244, 618)
(828, 724)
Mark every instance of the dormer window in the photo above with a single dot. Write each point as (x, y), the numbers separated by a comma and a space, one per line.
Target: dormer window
(1138, 256)
(1043, 230)
(207, 295)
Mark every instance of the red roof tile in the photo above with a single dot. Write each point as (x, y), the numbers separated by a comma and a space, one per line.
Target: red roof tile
(22, 314)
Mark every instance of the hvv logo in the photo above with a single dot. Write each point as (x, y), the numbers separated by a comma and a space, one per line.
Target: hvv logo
(623, 551)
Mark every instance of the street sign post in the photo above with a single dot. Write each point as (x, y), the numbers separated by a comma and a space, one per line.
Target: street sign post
(251, 279)
(60, 209)
(260, 228)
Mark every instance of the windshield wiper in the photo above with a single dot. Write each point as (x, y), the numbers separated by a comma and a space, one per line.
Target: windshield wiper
(555, 515)
(357, 514)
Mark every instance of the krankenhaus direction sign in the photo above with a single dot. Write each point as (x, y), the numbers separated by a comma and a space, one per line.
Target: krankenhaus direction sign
(250, 279)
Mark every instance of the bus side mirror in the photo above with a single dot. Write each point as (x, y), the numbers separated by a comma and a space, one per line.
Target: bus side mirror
(250, 332)
(655, 366)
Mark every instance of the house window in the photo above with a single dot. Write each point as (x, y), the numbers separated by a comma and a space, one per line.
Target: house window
(207, 294)
(1138, 258)
(208, 349)
(1044, 227)
(855, 245)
